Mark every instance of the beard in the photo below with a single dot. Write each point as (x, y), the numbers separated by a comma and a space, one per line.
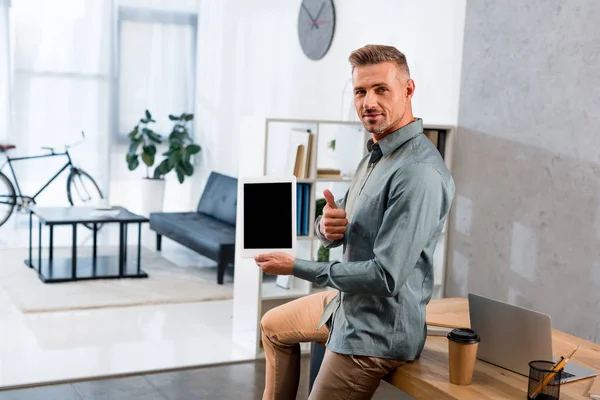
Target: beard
(378, 126)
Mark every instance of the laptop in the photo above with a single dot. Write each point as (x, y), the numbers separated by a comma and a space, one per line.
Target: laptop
(512, 336)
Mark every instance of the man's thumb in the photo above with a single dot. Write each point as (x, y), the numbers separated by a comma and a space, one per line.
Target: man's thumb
(329, 198)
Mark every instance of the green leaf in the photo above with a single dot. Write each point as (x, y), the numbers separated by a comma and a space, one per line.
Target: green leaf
(134, 145)
(134, 132)
(148, 159)
(180, 174)
(132, 162)
(174, 158)
(165, 167)
(173, 117)
(189, 117)
(144, 120)
(177, 135)
(150, 150)
(192, 149)
(148, 115)
(157, 173)
(188, 168)
(154, 137)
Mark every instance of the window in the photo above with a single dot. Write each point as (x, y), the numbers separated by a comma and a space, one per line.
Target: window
(156, 67)
(61, 87)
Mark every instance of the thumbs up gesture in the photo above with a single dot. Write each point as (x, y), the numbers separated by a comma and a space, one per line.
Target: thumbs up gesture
(333, 223)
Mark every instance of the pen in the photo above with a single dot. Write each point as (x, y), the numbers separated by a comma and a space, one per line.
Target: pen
(557, 367)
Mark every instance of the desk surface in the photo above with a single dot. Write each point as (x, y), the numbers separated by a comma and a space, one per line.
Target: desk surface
(427, 378)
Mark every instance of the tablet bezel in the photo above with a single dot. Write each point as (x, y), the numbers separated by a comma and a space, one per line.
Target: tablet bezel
(251, 253)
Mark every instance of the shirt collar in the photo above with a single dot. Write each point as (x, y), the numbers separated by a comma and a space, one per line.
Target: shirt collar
(397, 138)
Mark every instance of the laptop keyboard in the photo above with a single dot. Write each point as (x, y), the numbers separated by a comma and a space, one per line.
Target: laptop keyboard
(565, 375)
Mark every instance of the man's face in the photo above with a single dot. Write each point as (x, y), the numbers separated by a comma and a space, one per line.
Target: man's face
(382, 93)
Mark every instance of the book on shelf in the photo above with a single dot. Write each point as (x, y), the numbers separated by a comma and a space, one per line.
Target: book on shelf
(327, 173)
(299, 153)
(302, 208)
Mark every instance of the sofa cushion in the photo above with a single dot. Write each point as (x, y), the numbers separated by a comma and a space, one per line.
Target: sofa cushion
(199, 232)
(219, 198)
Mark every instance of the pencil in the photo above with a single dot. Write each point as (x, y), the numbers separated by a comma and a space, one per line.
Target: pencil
(557, 367)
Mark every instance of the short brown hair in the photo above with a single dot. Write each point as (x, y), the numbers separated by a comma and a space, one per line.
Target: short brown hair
(375, 54)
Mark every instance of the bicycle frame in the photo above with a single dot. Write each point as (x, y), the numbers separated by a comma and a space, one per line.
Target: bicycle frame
(10, 160)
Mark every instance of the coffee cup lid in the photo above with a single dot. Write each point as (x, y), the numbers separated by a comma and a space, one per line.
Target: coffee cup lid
(463, 335)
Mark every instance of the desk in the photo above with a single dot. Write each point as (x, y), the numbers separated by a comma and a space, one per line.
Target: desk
(427, 378)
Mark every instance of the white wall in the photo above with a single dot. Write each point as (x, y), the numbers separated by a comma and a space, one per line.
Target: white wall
(250, 63)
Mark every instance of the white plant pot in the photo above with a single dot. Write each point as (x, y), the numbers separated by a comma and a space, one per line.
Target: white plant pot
(153, 196)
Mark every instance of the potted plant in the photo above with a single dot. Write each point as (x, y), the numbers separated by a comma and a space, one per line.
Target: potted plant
(322, 252)
(143, 145)
(181, 149)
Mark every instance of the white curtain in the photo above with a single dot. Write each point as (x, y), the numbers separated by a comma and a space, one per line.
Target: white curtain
(156, 72)
(62, 64)
(4, 72)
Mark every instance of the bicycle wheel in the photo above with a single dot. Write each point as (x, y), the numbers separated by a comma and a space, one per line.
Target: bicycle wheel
(7, 198)
(82, 190)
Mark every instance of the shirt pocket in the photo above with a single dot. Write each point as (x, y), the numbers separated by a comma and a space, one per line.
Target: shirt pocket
(365, 221)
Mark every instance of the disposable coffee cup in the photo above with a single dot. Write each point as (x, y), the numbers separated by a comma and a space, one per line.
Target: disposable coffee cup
(462, 352)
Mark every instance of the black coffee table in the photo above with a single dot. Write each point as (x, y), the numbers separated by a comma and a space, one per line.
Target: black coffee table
(52, 269)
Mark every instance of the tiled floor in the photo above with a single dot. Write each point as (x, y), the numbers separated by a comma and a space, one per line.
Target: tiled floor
(59, 346)
(244, 381)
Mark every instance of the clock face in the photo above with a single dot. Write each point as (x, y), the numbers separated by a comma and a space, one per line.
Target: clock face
(316, 24)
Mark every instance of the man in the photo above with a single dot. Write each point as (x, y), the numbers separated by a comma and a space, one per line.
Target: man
(389, 223)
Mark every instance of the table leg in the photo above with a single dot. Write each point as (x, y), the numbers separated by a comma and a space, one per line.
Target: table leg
(139, 249)
(74, 253)
(51, 249)
(125, 246)
(121, 234)
(39, 247)
(95, 247)
(30, 237)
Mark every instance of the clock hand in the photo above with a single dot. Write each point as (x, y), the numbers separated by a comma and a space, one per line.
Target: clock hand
(319, 12)
(308, 12)
(310, 16)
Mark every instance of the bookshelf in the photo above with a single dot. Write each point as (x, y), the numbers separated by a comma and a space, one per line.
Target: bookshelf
(269, 148)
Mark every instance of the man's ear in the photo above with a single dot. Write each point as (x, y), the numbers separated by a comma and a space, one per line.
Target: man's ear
(410, 89)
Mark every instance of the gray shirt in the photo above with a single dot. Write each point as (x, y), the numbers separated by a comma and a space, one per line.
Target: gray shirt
(396, 209)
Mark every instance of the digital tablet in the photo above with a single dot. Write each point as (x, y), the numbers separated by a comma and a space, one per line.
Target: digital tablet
(268, 207)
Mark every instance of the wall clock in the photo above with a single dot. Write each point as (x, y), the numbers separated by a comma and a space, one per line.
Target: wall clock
(316, 25)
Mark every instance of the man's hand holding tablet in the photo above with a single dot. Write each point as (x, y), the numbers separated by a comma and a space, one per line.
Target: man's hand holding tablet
(275, 263)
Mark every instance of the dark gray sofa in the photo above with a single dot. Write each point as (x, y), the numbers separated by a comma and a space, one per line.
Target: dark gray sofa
(210, 230)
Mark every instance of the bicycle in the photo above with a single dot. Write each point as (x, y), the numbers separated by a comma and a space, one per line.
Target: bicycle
(89, 192)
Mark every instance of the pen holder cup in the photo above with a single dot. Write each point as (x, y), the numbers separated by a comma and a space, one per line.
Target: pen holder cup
(546, 381)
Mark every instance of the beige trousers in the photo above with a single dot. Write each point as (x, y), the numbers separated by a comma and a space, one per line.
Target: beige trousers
(340, 376)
